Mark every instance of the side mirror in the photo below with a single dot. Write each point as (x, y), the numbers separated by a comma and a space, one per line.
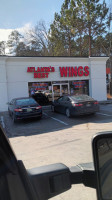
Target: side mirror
(102, 154)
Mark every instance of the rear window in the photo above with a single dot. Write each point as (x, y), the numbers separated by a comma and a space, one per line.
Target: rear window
(82, 98)
(24, 102)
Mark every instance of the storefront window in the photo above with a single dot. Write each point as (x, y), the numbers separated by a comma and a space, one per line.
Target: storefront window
(79, 87)
(53, 90)
(39, 87)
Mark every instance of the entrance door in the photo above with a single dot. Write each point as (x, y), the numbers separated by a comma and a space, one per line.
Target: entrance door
(55, 91)
(59, 90)
(64, 89)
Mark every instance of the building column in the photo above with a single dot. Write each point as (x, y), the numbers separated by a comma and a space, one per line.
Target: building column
(3, 85)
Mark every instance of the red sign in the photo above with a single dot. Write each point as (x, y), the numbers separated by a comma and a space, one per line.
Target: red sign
(41, 72)
(74, 71)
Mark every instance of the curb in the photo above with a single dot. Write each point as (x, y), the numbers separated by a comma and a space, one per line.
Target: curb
(105, 102)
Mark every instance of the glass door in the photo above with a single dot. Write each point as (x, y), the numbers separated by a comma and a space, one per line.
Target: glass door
(56, 91)
(64, 89)
(59, 90)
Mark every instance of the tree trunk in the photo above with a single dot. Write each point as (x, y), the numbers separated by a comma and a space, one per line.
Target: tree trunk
(89, 40)
(69, 50)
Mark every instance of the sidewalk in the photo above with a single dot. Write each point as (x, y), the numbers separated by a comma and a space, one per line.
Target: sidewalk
(109, 100)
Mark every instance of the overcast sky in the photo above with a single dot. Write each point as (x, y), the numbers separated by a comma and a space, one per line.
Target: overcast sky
(20, 14)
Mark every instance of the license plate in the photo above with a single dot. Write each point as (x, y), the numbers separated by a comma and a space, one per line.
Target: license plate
(29, 109)
(88, 105)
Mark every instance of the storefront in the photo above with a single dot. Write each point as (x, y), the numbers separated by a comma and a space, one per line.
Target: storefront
(53, 76)
(55, 89)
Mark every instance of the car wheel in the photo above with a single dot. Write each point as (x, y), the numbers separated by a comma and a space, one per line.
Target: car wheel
(68, 113)
(40, 117)
(53, 108)
(14, 119)
(9, 112)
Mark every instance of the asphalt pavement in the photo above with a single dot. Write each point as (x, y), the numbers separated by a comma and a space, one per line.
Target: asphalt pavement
(56, 138)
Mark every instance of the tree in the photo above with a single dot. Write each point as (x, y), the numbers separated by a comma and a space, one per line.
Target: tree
(102, 45)
(80, 21)
(62, 32)
(13, 41)
(2, 48)
(24, 50)
(95, 18)
(38, 39)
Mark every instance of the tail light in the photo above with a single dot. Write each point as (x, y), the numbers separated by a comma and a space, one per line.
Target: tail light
(39, 107)
(77, 104)
(96, 102)
(18, 110)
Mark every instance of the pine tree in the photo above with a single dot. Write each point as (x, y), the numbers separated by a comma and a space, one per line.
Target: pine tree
(79, 23)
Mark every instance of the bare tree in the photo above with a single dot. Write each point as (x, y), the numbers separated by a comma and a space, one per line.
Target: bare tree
(38, 40)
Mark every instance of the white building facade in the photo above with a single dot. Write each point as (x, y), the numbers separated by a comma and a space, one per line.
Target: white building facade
(19, 76)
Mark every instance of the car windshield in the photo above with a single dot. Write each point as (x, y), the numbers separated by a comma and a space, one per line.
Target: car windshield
(24, 102)
(82, 98)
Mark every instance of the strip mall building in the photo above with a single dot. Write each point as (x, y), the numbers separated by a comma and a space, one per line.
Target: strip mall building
(19, 76)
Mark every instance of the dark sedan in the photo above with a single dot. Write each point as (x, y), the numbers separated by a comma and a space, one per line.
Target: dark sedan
(22, 108)
(75, 105)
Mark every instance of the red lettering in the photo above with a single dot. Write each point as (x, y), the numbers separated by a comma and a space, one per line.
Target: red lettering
(69, 70)
(38, 69)
(43, 75)
(52, 69)
(35, 75)
(28, 69)
(42, 69)
(86, 69)
(80, 71)
(39, 75)
(32, 69)
(46, 75)
(63, 71)
(73, 71)
(48, 69)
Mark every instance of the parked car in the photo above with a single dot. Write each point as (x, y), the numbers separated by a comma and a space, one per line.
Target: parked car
(22, 108)
(41, 98)
(75, 105)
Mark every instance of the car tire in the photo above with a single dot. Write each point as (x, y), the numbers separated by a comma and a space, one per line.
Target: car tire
(40, 117)
(14, 119)
(9, 112)
(68, 113)
(53, 108)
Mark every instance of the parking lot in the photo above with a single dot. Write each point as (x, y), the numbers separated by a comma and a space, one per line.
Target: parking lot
(56, 138)
(53, 122)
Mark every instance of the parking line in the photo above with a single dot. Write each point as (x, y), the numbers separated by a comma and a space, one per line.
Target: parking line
(104, 114)
(57, 119)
